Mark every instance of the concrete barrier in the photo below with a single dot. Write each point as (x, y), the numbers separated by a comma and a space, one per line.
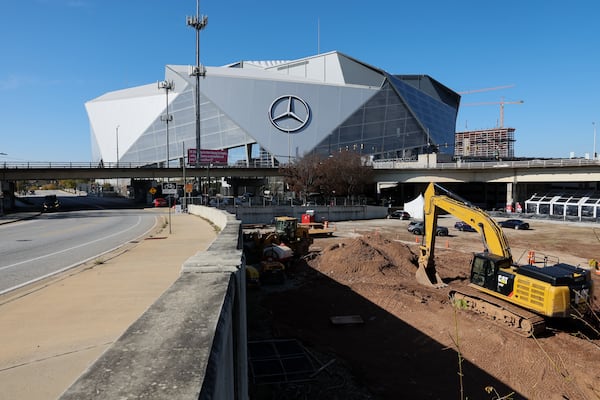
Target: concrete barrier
(191, 343)
(264, 215)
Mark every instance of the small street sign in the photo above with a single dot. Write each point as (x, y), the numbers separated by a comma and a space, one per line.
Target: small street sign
(169, 188)
(152, 190)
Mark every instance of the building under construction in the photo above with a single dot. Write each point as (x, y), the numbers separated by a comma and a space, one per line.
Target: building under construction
(487, 144)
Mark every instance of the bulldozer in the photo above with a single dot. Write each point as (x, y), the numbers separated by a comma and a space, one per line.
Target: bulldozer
(294, 235)
(287, 240)
(270, 252)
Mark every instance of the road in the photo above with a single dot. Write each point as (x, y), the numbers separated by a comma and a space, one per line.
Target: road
(33, 249)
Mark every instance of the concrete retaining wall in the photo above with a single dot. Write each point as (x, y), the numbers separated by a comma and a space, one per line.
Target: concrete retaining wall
(191, 343)
(264, 215)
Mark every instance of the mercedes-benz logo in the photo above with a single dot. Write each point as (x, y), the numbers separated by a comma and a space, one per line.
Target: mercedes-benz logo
(289, 113)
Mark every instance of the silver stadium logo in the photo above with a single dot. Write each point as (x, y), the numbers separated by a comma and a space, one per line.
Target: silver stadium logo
(289, 113)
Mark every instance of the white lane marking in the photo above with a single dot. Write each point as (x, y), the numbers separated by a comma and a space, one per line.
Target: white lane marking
(72, 248)
(75, 264)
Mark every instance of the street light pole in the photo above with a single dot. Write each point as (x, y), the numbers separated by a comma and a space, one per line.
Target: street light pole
(117, 132)
(594, 153)
(167, 85)
(117, 129)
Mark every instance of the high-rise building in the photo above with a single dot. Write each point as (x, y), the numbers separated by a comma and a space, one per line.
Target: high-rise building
(486, 144)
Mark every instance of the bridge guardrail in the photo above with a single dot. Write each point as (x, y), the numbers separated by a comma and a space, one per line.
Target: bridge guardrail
(377, 164)
(558, 162)
(111, 165)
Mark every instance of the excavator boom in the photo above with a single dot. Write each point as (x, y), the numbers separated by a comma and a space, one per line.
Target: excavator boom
(436, 199)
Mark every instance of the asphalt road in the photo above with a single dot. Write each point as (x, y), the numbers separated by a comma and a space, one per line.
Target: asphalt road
(33, 249)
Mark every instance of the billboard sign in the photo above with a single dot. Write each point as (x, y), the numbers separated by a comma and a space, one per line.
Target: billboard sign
(207, 156)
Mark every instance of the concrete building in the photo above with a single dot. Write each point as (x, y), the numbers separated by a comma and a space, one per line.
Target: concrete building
(270, 112)
(487, 144)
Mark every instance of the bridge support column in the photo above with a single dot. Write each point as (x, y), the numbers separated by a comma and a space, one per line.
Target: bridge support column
(510, 188)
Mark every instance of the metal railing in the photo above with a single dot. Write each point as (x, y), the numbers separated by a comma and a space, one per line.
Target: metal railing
(377, 164)
(111, 165)
(558, 162)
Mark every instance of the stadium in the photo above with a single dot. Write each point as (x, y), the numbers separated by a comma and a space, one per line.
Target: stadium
(268, 113)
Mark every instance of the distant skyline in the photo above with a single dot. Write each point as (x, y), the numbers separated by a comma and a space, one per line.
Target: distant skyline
(59, 54)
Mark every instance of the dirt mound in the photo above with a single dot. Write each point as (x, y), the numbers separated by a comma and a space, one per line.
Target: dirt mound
(372, 258)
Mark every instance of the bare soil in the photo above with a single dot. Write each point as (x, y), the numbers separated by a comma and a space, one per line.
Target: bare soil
(412, 342)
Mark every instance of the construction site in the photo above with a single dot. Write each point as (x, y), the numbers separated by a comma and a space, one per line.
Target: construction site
(351, 321)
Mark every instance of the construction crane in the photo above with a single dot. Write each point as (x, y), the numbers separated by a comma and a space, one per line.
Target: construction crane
(502, 103)
(486, 89)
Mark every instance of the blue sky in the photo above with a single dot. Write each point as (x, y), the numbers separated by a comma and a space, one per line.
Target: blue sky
(58, 54)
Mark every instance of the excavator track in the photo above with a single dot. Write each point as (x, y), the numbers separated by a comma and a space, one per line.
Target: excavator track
(511, 317)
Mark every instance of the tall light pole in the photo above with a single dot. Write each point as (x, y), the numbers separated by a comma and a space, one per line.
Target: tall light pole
(167, 85)
(594, 153)
(117, 129)
(198, 22)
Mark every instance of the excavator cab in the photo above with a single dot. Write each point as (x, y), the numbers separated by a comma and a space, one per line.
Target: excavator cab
(485, 269)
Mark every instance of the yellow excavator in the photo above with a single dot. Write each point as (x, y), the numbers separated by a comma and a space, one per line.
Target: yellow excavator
(517, 296)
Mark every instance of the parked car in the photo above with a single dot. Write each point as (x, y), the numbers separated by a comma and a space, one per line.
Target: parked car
(160, 202)
(464, 227)
(418, 228)
(514, 223)
(51, 203)
(399, 214)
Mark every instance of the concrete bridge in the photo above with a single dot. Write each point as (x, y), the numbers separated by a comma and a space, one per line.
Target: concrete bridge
(516, 175)
(423, 170)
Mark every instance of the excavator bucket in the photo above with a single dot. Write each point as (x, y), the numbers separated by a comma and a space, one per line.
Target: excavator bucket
(429, 277)
(426, 273)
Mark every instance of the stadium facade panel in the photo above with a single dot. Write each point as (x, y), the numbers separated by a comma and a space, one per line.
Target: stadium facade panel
(273, 112)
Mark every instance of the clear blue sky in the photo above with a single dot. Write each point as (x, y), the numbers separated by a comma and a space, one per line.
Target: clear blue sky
(58, 54)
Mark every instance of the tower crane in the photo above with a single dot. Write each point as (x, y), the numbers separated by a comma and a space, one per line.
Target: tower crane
(502, 103)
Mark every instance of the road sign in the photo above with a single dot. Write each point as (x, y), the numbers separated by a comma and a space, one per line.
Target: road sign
(208, 156)
(152, 190)
(169, 188)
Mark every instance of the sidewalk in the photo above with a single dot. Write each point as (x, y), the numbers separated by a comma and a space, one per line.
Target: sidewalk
(53, 330)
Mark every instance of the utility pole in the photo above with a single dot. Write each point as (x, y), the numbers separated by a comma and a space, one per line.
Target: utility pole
(198, 22)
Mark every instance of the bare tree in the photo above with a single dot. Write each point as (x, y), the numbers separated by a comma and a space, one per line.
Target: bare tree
(348, 173)
(304, 175)
(341, 174)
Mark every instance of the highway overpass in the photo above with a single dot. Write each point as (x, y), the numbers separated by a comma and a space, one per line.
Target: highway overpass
(421, 171)
(518, 176)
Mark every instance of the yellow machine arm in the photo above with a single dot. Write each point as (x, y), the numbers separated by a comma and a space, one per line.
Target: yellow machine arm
(436, 199)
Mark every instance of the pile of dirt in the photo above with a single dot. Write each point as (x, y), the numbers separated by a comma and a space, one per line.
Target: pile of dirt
(367, 259)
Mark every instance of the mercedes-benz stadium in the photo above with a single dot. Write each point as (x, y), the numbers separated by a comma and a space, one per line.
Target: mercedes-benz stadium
(268, 113)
